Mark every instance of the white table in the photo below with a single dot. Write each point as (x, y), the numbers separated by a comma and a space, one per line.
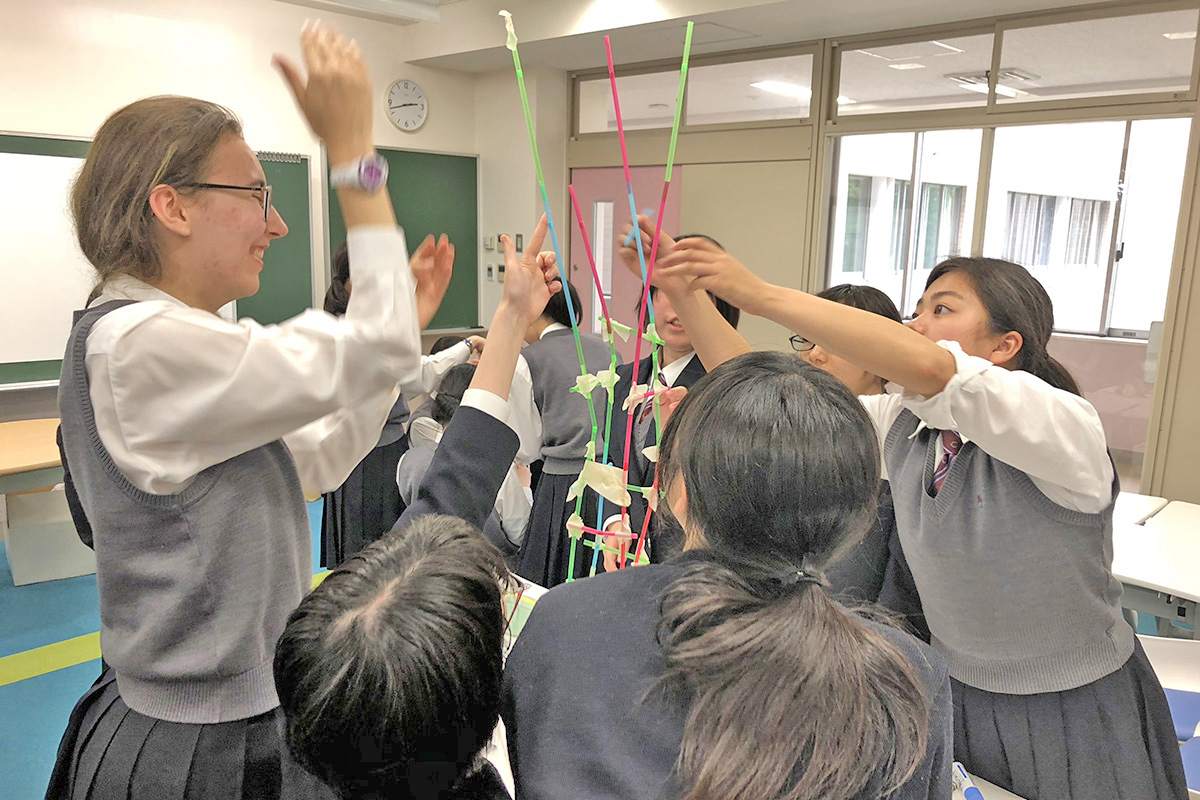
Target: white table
(989, 791)
(1135, 509)
(1159, 563)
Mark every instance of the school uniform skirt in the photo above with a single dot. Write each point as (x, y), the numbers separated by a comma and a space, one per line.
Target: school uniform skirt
(545, 551)
(1111, 739)
(110, 751)
(363, 508)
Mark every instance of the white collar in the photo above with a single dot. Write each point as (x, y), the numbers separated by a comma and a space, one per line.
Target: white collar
(127, 287)
(672, 371)
(553, 326)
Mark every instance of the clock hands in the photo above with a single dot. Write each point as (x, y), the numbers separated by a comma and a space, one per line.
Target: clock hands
(403, 105)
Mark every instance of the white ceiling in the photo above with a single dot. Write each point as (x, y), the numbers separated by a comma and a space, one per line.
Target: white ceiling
(762, 25)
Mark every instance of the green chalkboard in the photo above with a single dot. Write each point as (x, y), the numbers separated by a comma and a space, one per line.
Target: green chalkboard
(434, 193)
(285, 284)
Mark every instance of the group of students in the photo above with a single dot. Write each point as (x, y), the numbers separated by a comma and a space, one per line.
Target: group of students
(749, 660)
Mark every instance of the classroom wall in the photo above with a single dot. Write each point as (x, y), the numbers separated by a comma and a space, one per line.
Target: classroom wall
(717, 201)
(510, 201)
(79, 61)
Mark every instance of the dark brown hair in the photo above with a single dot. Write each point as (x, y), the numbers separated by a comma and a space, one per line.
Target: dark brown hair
(166, 139)
(789, 694)
(1015, 301)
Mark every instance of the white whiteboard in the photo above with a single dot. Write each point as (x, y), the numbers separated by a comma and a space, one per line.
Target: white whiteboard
(45, 277)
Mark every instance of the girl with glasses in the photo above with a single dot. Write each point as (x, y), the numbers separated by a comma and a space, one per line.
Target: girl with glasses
(192, 441)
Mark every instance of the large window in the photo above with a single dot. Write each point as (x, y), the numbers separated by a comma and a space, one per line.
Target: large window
(885, 235)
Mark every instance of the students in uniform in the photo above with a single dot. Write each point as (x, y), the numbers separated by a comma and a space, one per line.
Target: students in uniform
(192, 440)
(367, 503)
(728, 671)
(678, 366)
(555, 427)
(1004, 492)
(389, 672)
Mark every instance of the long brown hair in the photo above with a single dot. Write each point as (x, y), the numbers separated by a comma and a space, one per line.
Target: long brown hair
(1015, 301)
(166, 139)
(789, 694)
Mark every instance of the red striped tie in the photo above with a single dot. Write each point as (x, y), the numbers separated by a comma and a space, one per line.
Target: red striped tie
(951, 444)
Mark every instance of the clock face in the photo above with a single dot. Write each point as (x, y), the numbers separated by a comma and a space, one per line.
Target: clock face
(406, 105)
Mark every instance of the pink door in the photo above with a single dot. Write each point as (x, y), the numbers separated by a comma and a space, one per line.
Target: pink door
(604, 203)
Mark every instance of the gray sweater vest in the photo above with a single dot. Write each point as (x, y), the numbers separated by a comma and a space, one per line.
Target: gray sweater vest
(1018, 591)
(196, 586)
(566, 424)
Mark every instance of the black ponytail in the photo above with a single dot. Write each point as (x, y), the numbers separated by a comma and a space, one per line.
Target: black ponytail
(337, 296)
(789, 694)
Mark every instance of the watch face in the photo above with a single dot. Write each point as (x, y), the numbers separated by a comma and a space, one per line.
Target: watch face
(406, 105)
(372, 173)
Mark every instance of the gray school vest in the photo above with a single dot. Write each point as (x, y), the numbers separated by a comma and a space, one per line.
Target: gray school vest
(1017, 590)
(196, 586)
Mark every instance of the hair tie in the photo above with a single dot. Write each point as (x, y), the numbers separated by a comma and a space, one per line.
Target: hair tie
(798, 576)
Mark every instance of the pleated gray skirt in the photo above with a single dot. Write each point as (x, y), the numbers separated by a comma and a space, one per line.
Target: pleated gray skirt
(110, 751)
(1111, 739)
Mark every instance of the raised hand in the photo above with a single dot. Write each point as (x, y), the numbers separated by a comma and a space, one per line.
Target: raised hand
(702, 265)
(335, 98)
(531, 279)
(432, 265)
(629, 253)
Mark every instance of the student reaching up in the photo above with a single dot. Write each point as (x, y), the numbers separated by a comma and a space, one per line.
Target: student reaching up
(1003, 490)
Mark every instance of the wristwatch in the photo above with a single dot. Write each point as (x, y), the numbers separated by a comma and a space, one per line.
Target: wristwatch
(368, 174)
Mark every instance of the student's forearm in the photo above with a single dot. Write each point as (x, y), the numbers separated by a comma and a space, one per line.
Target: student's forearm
(869, 341)
(499, 360)
(713, 338)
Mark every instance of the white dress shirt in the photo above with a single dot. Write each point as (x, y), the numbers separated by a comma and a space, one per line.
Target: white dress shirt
(672, 371)
(1053, 436)
(177, 389)
(513, 501)
(434, 368)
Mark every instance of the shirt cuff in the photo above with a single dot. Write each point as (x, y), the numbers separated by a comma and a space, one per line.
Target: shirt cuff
(491, 404)
(937, 411)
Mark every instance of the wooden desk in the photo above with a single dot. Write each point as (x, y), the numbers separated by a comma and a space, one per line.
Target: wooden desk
(40, 539)
(28, 455)
(1134, 509)
(1159, 563)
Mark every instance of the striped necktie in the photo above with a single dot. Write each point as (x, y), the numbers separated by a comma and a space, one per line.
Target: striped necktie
(951, 444)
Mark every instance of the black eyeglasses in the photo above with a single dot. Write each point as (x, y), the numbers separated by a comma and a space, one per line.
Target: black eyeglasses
(265, 197)
(800, 344)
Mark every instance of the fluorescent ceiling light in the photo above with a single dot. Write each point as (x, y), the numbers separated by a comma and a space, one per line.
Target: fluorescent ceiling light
(1180, 35)
(845, 101)
(1001, 89)
(907, 65)
(786, 89)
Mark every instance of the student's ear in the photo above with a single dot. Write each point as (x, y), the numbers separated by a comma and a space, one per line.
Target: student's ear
(1006, 349)
(167, 206)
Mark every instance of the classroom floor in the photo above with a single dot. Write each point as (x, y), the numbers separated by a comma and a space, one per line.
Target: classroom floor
(34, 711)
